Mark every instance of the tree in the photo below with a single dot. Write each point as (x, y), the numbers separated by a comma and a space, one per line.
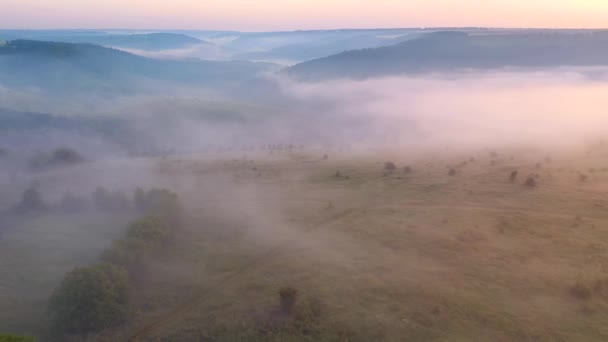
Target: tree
(89, 300)
(31, 201)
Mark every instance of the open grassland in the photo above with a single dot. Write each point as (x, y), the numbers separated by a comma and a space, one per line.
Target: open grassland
(374, 254)
(380, 255)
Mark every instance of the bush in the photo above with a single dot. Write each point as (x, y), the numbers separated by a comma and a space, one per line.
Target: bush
(452, 172)
(143, 237)
(89, 300)
(390, 166)
(530, 182)
(580, 291)
(287, 299)
(407, 170)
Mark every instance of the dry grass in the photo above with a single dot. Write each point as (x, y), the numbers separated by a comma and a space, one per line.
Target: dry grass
(424, 257)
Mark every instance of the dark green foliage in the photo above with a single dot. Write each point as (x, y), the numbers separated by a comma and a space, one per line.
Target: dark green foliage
(15, 338)
(95, 298)
(31, 202)
(149, 235)
(89, 300)
(143, 238)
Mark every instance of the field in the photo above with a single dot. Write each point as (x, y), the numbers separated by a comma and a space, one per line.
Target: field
(374, 254)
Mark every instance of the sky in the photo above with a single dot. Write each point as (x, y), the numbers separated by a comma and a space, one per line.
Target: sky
(267, 15)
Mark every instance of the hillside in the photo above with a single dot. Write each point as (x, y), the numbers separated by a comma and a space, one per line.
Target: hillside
(82, 67)
(451, 50)
(143, 41)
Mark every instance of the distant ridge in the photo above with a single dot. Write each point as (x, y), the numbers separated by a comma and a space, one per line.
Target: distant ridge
(455, 50)
(83, 67)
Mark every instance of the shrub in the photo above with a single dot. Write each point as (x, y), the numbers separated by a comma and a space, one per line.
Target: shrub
(89, 300)
(407, 169)
(143, 237)
(530, 182)
(390, 166)
(287, 299)
(452, 172)
(583, 178)
(580, 291)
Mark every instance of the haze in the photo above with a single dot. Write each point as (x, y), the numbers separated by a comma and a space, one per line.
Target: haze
(263, 15)
(239, 171)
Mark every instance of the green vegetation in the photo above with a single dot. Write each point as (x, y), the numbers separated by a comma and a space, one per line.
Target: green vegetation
(89, 300)
(15, 338)
(95, 298)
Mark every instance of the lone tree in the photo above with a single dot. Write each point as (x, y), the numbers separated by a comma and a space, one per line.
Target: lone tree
(513, 176)
(89, 300)
(31, 202)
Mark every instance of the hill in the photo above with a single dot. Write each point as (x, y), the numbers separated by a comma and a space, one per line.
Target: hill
(452, 50)
(144, 41)
(87, 67)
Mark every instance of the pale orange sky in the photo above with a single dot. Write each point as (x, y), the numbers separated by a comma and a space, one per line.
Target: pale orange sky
(259, 15)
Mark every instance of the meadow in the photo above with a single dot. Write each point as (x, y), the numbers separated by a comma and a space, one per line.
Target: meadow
(442, 247)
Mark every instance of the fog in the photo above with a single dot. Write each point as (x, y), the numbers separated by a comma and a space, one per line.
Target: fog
(490, 109)
(253, 162)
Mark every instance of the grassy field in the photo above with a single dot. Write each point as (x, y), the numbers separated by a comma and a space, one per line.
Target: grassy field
(375, 255)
